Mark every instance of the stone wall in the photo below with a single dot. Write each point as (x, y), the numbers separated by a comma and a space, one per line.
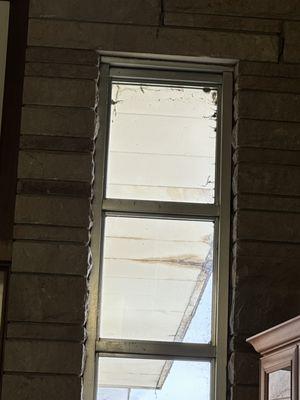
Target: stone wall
(47, 295)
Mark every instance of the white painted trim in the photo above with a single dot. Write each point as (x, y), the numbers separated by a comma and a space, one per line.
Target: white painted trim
(90, 367)
(222, 284)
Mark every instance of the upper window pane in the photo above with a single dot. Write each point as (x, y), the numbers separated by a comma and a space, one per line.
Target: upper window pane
(162, 143)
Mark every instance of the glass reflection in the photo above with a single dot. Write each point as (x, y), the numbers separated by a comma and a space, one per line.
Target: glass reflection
(280, 387)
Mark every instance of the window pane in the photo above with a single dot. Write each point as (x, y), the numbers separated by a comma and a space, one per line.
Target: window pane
(162, 143)
(146, 379)
(280, 384)
(157, 279)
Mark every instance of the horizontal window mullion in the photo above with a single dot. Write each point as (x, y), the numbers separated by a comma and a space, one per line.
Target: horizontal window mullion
(161, 65)
(161, 75)
(161, 208)
(155, 349)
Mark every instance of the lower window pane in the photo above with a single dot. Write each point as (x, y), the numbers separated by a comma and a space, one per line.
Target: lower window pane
(148, 379)
(157, 279)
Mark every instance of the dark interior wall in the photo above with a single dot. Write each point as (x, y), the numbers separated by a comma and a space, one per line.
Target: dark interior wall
(10, 124)
(46, 310)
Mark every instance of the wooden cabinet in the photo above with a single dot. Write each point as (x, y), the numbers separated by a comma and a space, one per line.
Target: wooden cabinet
(279, 364)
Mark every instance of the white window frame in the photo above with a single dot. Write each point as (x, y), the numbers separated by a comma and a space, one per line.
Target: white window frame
(111, 67)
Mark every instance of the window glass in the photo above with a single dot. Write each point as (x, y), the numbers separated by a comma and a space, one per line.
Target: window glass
(148, 379)
(156, 282)
(280, 384)
(162, 143)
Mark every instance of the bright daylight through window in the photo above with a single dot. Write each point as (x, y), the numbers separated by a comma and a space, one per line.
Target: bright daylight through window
(162, 311)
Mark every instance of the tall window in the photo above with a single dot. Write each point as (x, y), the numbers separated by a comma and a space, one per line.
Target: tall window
(161, 237)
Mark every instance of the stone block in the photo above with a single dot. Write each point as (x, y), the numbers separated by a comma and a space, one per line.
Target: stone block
(266, 203)
(267, 134)
(272, 84)
(59, 92)
(275, 272)
(238, 392)
(266, 226)
(268, 307)
(287, 251)
(43, 357)
(37, 387)
(243, 368)
(266, 156)
(57, 166)
(237, 343)
(133, 12)
(57, 121)
(291, 51)
(266, 179)
(5, 250)
(36, 331)
(256, 8)
(65, 56)
(167, 41)
(37, 257)
(54, 188)
(279, 70)
(56, 143)
(49, 210)
(51, 233)
(220, 22)
(45, 298)
(61, 70)
(267, 106)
